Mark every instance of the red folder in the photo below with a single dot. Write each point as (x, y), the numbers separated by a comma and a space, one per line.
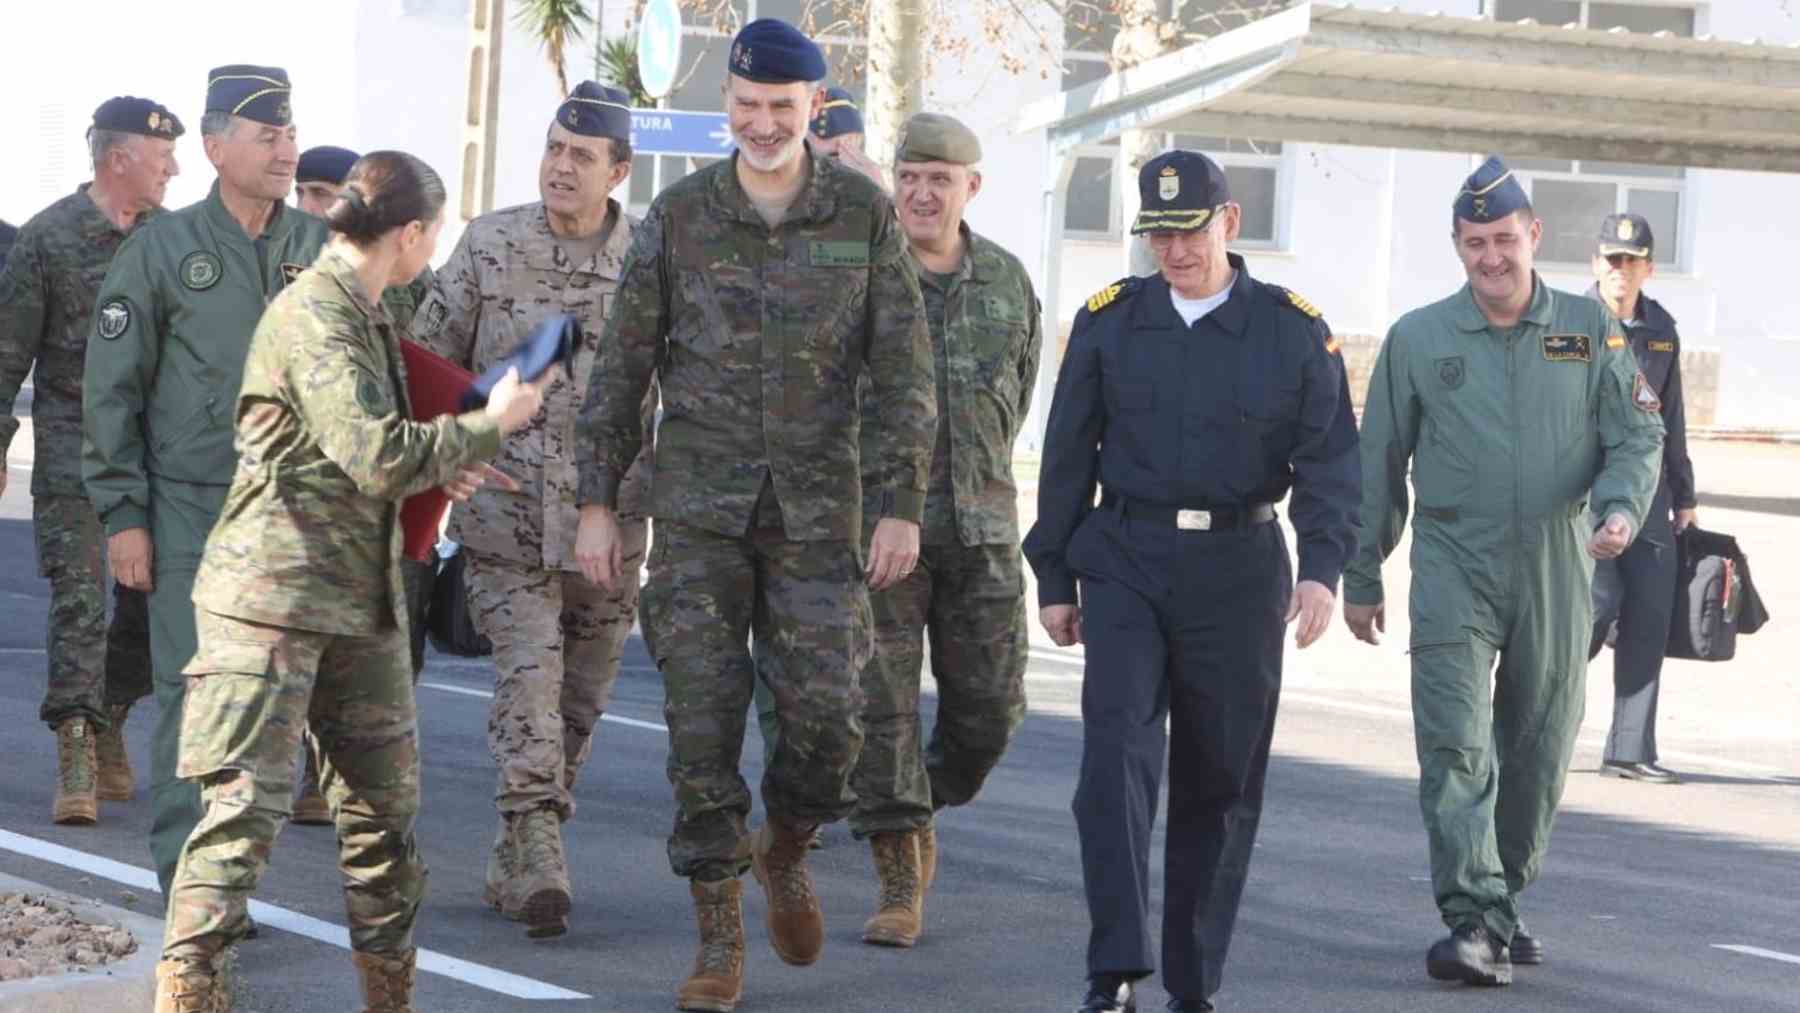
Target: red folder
(434, 386)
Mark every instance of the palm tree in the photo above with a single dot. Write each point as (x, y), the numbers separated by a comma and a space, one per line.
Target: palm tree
(616, 63)
(556, 24)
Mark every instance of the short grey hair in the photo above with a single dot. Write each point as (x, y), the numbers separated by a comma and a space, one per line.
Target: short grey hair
(100, 142)
(215, 122)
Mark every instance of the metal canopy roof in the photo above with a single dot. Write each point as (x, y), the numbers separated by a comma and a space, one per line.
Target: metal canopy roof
(1342, 75)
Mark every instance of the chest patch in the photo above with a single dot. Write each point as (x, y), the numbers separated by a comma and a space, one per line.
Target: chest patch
(1644, 396)
(435, 314)
(1662, 346)
(371, 398)
(200, 270)
(289, 272)
(1451, 372)
(1004, 310)
(837, 253)
(1568, 348)
(113, 318)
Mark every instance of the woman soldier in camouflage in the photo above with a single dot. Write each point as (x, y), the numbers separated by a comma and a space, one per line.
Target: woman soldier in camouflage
(301, 616)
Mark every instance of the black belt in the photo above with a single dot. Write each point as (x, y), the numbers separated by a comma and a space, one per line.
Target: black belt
(1198, 519)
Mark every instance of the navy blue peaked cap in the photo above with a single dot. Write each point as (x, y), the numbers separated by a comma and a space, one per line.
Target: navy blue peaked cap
(255, 93)
(839, 115)
(771, 51)
(1490, 193)
(325, 164)
(595, 110)
(549, 343)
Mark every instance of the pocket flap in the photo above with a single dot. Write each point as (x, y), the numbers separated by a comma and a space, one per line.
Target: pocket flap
(239, 657)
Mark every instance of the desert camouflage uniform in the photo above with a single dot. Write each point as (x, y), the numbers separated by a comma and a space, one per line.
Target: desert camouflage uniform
(301, 617)
(557, 638)
(46, 302)
(758, 337)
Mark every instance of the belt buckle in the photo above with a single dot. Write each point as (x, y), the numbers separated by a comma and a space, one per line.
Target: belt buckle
(1193, 520)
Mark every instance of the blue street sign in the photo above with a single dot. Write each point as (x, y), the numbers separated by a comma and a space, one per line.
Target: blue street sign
(678, 132)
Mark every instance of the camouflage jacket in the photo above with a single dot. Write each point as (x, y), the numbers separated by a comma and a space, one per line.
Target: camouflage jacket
(309, 537)
(171, 327)
(758, 338)
(47, 294)
(986, 339)
(507, 275)
(8, 235)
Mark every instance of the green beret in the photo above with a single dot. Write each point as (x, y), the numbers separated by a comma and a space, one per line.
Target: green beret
(934, 137)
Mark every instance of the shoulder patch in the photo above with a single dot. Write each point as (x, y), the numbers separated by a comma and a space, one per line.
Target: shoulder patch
(113, 318)
(1644, 396)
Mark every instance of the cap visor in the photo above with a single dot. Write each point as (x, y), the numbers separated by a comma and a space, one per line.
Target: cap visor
(1174, 221)
(1608, 249)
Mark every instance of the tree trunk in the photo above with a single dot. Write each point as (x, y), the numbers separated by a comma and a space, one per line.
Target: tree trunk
(896, 73)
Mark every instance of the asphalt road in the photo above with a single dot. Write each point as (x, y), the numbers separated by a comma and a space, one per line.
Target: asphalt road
(1641, 889)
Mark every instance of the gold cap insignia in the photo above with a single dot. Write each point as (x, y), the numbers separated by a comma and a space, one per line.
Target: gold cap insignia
(1168, 187)
(1626, 228)
(155, 122)
(740, 55)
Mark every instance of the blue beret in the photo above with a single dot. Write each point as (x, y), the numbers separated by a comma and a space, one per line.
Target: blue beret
(594, 110)
(325, 164)
(128, 114)
(771, 51)
(1178, 191)
(1490, 194)
(839, 115)
(551, 342)
(255, 93)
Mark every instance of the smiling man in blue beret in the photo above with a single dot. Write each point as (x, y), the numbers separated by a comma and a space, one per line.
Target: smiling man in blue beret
(758, 292)
(557, 636)
(169, 336)
(1518, 407)
(47, 296)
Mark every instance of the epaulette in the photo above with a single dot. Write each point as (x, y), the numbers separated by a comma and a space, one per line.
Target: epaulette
(1296, 301)
(1111, 293)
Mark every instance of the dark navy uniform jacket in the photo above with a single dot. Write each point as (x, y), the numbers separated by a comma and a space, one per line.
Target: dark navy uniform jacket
(1658, 350)
(1234, 411)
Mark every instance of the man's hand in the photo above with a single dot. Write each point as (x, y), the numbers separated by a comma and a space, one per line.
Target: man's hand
(1368, 622)
(474, 477)
(1311, 603)
(1684, 519)
(599, 547)
(1062, 622)
(893, 552)
(1610, 539)
(130, 555)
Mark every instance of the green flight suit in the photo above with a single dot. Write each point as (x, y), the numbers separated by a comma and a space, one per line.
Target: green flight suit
(1511, 433)
(164, 364)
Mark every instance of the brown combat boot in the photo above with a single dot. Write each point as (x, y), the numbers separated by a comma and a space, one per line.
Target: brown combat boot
(543, 875)
(76, 801)
(718, 979)
(899, 920)
(185, 987)
(310, 807)
(387, 980)
(501, 891)
(927, 836)
(114, 782)
(796, 924)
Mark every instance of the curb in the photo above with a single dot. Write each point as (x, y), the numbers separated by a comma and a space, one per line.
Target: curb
(1715, 434)
(127, 984)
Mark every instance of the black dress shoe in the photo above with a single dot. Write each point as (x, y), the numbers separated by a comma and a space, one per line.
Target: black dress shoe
(1526, 948)
(1108, 995)
(1470, 955)
(1190, 1005)
(1649, 773)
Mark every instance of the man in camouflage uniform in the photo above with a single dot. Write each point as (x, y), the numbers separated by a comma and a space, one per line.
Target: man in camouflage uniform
(47, 298)
(557, 636)
(757, 292)
(173, 322)
(968, 592)
(8, 235)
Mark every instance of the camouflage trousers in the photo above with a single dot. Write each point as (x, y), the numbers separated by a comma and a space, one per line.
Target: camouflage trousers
(94, 665)
(252, 689)
(970, 601)
(557, 642)
(807, 607)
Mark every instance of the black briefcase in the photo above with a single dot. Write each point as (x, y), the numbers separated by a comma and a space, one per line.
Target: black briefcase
(448, 619)
(1715, 600)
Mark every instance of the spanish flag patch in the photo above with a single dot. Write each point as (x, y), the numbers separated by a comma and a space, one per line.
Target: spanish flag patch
(1332, 344)
(1103, 298)
(1615, 341)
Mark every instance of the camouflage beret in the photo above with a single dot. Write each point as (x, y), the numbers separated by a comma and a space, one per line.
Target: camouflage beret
(934, 137)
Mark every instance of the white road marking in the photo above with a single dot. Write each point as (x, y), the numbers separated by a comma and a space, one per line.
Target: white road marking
(650, 726)
(483, 977)
(1757, 951)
